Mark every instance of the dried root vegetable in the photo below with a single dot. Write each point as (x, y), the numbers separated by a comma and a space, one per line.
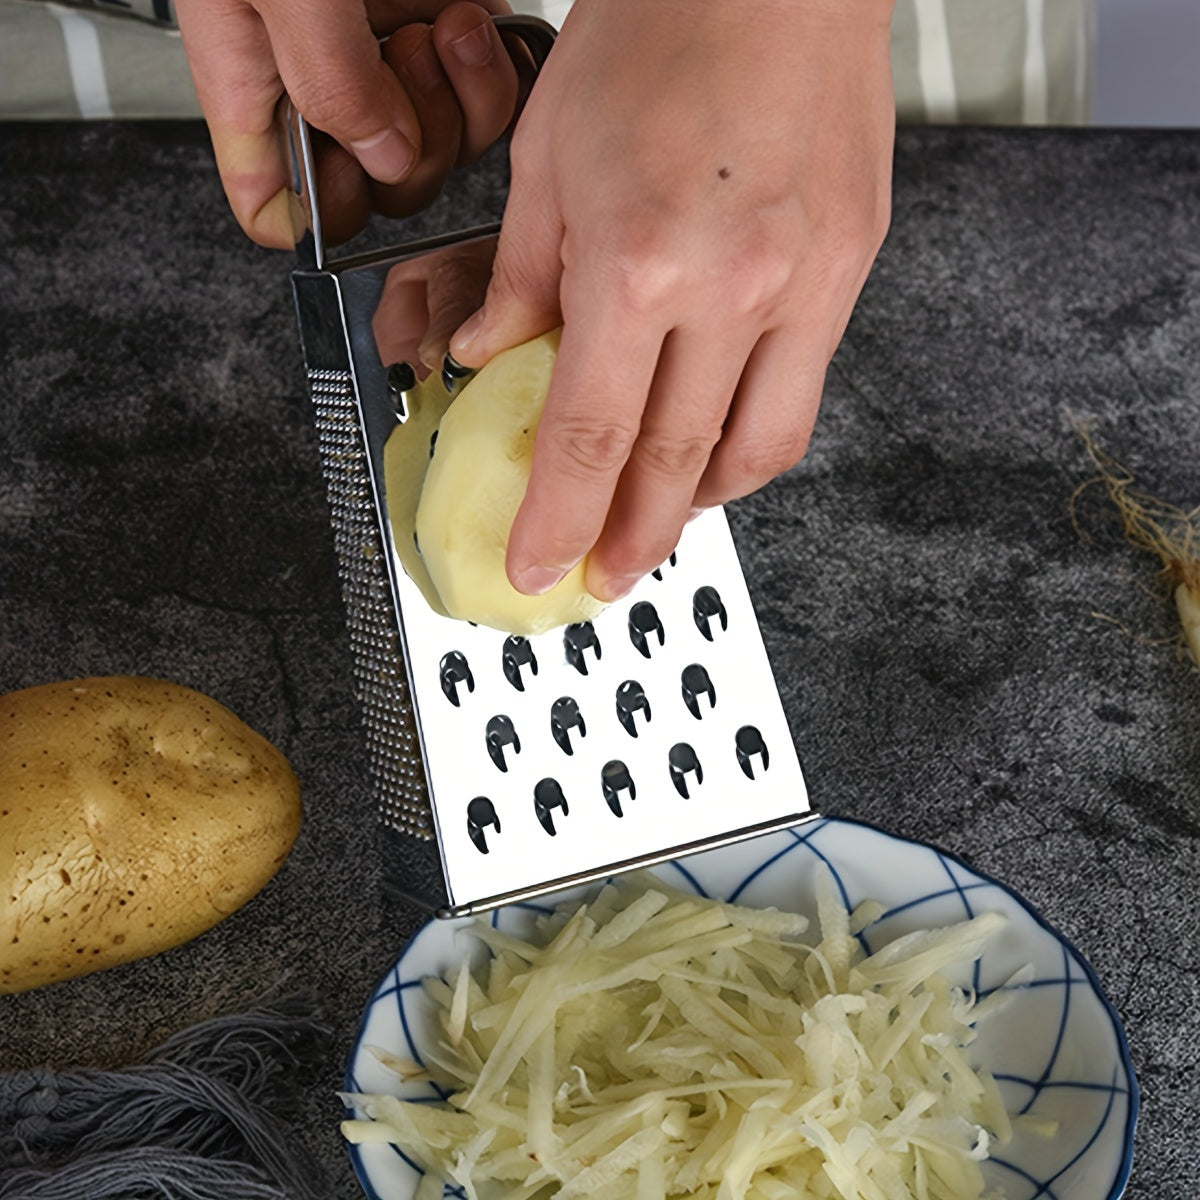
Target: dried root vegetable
(1170, 533)
(654, 1044)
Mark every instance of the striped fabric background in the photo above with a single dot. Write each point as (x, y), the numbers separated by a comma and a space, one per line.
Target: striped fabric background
(65, 61)
(993, 61)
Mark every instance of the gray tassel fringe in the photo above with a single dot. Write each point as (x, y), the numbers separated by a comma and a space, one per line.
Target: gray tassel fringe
(202, 1119)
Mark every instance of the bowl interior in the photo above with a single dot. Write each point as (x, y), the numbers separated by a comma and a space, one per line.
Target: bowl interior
(1057, 1049)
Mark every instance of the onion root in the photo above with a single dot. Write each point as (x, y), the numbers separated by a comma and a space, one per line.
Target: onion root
(1170, 533)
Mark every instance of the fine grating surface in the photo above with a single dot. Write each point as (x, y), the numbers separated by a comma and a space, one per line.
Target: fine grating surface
(382, 689)
(929, 610)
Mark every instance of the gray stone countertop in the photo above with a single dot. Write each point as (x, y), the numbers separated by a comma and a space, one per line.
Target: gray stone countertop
(958, 663)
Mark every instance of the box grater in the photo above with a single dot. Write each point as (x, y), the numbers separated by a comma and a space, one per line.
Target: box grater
(506, 767)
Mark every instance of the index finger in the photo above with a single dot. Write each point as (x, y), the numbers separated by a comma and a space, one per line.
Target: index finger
(332, 67)
(592, 416)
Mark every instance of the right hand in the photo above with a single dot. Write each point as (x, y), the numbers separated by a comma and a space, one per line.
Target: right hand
(398, 116)
(698, 192)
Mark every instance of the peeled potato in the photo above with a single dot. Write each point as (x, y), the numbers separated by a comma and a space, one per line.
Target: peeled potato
(134, 815)
(473, 488)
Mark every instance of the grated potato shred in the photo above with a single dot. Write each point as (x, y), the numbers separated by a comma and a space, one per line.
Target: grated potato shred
(654, 1044)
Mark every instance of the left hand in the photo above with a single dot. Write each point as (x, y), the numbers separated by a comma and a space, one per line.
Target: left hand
(393, 117)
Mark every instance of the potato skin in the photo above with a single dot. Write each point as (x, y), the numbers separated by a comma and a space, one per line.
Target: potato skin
(134, 815)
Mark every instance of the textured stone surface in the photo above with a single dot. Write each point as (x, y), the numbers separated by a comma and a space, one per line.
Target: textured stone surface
(931, 611)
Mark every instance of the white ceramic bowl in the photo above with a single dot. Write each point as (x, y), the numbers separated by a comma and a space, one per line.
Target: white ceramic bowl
(1057, 1050)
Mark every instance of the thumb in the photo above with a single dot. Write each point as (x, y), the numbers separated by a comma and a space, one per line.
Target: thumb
(522, 298)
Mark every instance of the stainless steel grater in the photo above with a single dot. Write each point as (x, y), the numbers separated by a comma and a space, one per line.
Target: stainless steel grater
(507, 767)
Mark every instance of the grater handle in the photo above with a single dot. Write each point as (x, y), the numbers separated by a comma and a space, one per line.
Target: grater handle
(536, 35)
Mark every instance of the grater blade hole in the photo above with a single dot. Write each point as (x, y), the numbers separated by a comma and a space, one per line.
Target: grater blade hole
(481, 816)
(548, 798)
(565, 716)
(645, 627)
(453, 670)
(750, 744)
(401, 379)
(517, 657)
(455, 376)
(631, 700)
(615, 779)
(683, 762)
(501, 733)
(695, 683)
(658, 571)
(707, 605)
(578, 640)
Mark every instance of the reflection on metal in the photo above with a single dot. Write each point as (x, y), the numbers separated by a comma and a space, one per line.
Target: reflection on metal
(462, 723)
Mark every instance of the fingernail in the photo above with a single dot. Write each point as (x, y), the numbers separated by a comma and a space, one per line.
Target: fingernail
(387, 157)
(431, 353)
(474, 49)
(536, 581)
(617, 587)
(468, 331)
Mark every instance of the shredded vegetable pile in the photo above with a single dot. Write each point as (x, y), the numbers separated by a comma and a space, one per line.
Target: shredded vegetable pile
(654, 1044)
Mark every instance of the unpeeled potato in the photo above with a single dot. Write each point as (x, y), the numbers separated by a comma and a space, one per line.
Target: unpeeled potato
(134, 815)
(473, 487)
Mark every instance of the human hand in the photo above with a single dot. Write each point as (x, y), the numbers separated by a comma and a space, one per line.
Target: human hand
(697, 195)
(426, 298)
(439, 90)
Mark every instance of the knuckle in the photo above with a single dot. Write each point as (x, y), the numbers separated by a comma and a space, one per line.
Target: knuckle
(638, 271)
(592, 450)
(674, 457)
(339, 104)
(849, 242)
(843, 246)
(757, 280)
(643, 283)
(750, 464)
(515, 272)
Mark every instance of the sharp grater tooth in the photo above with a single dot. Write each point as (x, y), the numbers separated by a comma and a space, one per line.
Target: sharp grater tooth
(507, 767)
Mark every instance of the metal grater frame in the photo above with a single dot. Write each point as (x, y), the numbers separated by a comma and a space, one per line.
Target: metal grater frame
(505, 768)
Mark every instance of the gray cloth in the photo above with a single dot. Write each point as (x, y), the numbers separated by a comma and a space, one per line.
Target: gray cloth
(928, 607)
(201, 1119)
